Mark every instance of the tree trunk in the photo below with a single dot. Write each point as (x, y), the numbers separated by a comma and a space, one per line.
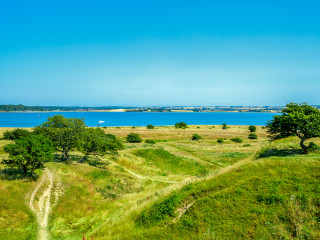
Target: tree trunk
(25, 170)
(304, 147)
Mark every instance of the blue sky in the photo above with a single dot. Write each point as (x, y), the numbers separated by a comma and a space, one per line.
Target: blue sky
(159, 53)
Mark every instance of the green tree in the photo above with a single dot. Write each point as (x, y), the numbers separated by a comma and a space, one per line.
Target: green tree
(149, 126)
(29, 153)
(65, 133)
(301, 120)
(252, 128)
(133, 138)
(15, 134)
(95, 142)
(182, 125)
(224, 126)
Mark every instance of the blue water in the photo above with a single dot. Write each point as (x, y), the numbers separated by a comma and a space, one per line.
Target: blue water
(139, 119)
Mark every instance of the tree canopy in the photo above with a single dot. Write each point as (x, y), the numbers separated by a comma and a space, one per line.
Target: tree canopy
(29, 153)
(301, 120)
(65, 133)
(182, 125)
(15, 134)
(95, 142)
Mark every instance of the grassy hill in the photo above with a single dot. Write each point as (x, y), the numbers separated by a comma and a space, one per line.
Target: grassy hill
(174, 189)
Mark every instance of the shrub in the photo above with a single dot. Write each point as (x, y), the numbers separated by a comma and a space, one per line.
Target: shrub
(263, 127)
(150, 141)
(267, 151)
(150, 126)
(236, 139)
(252, 128)
(220, 140)
(224, 126)
(252, 136)
(159, 212)
(182, 125)
(15, 134)
(196, 137)
(133, 138)
(313, 147)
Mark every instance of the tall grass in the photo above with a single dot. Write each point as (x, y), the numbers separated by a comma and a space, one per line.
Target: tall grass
(169, 162)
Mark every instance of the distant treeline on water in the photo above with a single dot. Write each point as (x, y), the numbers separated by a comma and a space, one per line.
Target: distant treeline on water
(22, 108)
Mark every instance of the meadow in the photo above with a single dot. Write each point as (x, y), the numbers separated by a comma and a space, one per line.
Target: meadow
(176, 188)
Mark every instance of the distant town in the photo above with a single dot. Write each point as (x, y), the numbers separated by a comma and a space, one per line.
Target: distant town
(22, 108)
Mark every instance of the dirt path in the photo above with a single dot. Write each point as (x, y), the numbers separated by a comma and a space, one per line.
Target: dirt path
(43, 209)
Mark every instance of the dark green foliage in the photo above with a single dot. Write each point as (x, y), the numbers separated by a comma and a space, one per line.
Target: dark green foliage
(236, 139)
(196, 137)
(182, 125)
(150, 141)
(94, 141)
(159, 212)
(134, 138)
(20, 107)
(299, 120)
(224, 126)
(29, 153)
(65, 133)
(252, 136)
(252, 128)
(313, 147)
(150, 126)
(15, 134)
(270, 198)
(220, 140)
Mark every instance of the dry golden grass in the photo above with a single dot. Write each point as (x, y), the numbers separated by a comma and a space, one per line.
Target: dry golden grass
(212, 132)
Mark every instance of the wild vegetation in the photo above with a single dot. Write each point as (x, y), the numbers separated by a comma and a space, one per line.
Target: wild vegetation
(169, 187)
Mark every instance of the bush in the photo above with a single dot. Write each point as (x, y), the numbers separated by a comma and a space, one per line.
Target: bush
(196, 137)
(150, 126)
(15, 134)
(224, 126)
(220, 140)
(252, 136)
(159, 212)
(133, 138)
(246, 145)
(182, 125)
(252, 128)
(236, 139)
(150, 141)
(313, 147)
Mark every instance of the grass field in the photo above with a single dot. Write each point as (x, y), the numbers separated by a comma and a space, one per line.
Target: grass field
(175, 189)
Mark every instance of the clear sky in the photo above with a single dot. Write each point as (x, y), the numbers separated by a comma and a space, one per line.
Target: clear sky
(159, 53)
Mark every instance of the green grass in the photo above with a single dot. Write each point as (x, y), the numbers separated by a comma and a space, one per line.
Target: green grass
(16, 219)
(168, 162)
(282, 200)
(256, 190)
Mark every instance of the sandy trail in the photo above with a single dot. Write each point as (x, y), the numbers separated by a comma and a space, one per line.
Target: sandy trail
(44, 206)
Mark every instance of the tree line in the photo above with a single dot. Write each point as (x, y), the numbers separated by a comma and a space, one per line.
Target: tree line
(31, 150)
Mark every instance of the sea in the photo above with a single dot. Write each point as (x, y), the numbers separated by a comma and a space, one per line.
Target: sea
(113, 119)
